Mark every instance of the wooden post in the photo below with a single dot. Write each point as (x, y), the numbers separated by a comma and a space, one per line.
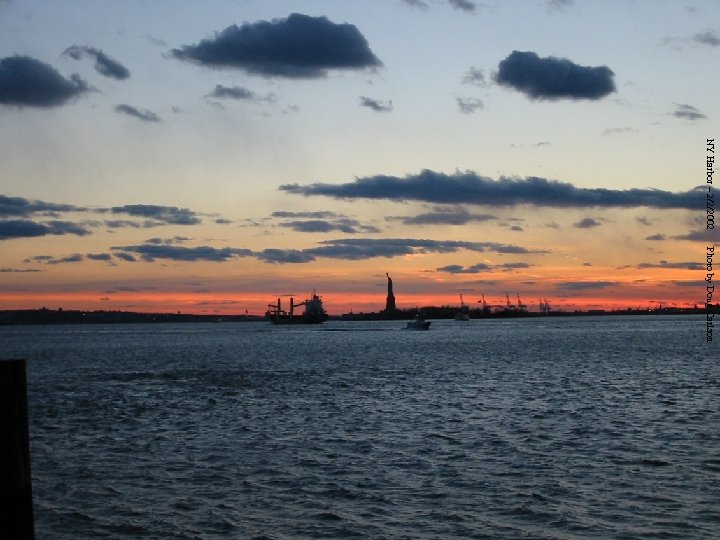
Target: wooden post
(16, 506)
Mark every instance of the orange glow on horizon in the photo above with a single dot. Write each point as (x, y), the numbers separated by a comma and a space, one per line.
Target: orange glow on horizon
(363, 290)
(336, 303)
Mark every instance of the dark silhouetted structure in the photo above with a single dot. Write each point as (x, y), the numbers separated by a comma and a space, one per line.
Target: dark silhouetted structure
(391, 309)
(16, 506)
(390, 302)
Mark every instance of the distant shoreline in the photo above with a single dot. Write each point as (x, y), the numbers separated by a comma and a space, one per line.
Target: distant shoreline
(60, 316)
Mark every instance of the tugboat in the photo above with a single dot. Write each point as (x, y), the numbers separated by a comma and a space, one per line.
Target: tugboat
(314, 312)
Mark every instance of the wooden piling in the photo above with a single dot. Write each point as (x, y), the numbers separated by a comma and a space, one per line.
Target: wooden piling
(16, 505)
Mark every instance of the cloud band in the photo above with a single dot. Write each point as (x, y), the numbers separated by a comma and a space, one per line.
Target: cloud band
(471, 188)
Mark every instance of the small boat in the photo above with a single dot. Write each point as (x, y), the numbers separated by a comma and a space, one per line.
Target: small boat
(314, 312)
(418, 323)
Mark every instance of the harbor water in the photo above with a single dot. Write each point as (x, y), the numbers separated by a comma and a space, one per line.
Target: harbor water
(560, 427)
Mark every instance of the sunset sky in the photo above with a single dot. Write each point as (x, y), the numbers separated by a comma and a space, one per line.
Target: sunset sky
(209, 157)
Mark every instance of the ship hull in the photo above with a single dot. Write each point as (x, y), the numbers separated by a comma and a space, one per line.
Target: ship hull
(298, 320)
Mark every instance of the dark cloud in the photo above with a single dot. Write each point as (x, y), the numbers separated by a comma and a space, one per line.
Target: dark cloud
(65, 260)
(19, 271)
(587, 223)
(171, 215)
(356, 249)
(703, 235)
(308, 215)
(656, 237)
(475, 76)
(240, 93)
(254, 222)
(665, 264)
(454, 216)
(21, 228)
(77, 257)
(471, 188)
(464, 5)
(322, 222)
(103, 63)
(688, 112)
(352, 249)
(584, 285)
(416, 3)
(363, 248)
(346, 225)
(376, 105)
(145, 116)
(66, 227)
(124, 223)
(233, 92)
(553, 78)
(458, 269)
(152, 252)
(299, 46)
(481, 267)
(167, 241)
(20, 207)
(643, 221)
(123, 256)
(468, 105)
(285, 256)
(99, 257)
(695, 283)
(453, 269)
(708, 37)
(26, 82)
(515, 266)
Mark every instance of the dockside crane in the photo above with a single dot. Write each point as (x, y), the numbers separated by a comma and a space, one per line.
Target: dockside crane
(487, 307)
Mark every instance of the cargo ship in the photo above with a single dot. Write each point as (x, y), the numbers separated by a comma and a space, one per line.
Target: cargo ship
(314, 312)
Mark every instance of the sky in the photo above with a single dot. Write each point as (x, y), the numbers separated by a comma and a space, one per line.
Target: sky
(210, 157)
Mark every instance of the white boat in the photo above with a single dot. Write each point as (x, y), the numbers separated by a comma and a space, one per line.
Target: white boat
(418, 323)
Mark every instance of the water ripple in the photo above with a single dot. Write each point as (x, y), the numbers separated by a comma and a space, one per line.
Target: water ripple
(559, 428)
